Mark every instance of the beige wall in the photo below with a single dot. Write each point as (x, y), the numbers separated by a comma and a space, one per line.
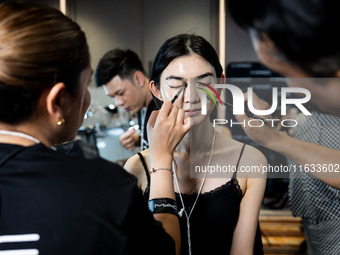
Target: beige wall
(142, 25)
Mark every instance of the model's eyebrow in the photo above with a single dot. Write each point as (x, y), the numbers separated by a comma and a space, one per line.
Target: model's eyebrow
(174, 77)
(198, 77)
(204, 75)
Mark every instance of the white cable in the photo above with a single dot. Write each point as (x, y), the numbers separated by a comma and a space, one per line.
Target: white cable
(19, 134)
(199, 192)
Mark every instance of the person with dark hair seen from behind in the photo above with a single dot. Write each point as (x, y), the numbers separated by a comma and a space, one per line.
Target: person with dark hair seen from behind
(299, 39)
(54, 203)
(123, 77)
(218, 215)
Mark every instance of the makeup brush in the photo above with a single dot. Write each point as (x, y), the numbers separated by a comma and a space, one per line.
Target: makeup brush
(179, 92)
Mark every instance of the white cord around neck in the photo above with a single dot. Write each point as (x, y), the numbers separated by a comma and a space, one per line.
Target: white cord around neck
(19, 134)
(183, 210)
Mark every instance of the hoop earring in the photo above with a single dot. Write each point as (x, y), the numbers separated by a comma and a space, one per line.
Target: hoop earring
(61, 122)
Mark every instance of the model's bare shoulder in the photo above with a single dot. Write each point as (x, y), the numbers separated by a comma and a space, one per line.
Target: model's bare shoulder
(253, 163)
(254, 155)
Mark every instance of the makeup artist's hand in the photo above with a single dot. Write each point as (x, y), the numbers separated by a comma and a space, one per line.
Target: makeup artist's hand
(267, 135)
(166, 129)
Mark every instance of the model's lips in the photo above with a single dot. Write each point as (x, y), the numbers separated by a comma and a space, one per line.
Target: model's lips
(127, 109)
(192, 112)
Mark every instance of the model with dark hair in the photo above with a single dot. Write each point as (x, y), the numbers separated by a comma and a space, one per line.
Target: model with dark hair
(298, 39)
(218, 215)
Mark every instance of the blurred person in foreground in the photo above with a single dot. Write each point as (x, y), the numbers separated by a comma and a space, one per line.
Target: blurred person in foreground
(298, 39)
(53, 203)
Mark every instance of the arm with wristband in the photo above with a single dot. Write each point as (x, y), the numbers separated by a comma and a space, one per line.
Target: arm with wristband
(165, 128)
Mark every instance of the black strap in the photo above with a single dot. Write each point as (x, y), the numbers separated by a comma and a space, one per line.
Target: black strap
(238, 161)
(11, 155)
(145, 167)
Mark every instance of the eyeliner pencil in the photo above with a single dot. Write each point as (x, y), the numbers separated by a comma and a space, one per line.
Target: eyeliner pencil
(179, 92)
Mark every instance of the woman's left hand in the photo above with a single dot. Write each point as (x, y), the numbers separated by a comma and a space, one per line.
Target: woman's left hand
(166, 129)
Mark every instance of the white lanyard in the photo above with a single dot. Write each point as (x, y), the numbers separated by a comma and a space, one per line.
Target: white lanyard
(19, 134)
(143, 114)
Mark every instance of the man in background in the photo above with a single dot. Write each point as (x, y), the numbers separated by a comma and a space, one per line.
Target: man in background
(124, 79)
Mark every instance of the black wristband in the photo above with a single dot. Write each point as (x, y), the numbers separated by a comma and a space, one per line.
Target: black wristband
(163, 205)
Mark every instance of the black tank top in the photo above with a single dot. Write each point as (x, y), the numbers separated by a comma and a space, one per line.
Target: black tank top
(214, 218)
